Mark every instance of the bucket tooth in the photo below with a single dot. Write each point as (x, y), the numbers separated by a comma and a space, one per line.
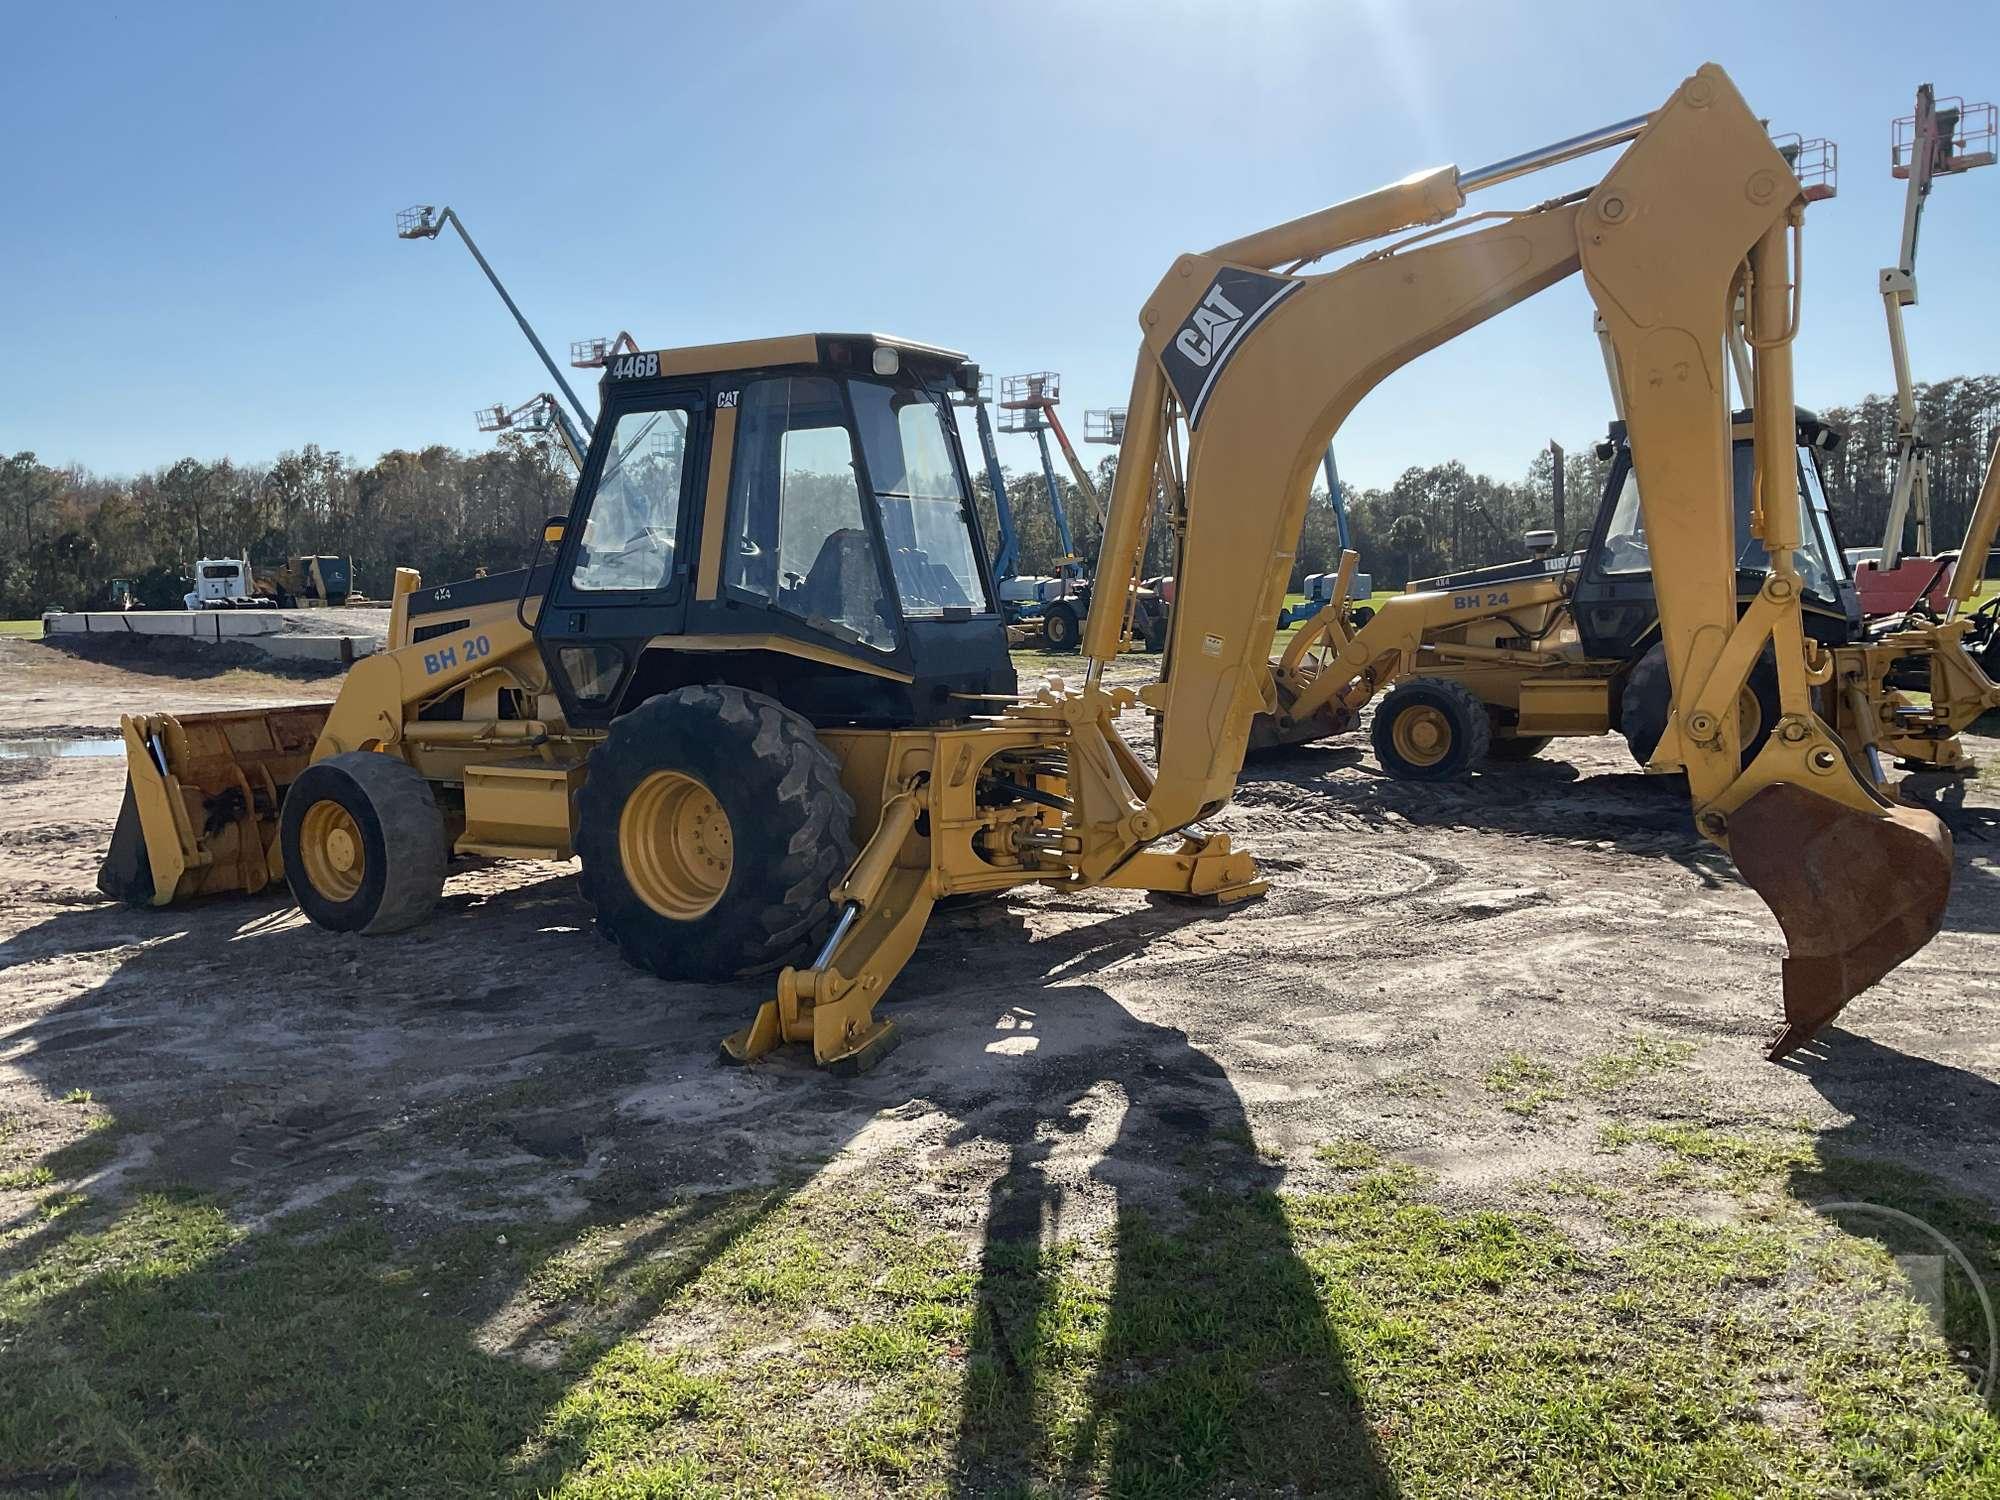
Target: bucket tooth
(1855, 893)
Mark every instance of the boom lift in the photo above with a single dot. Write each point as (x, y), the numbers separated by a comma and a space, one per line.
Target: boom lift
(423, 221)
(762, 692)
(1027, 405)
(541, 413)
(595, 354)
(1939, 139)
(1319, 587)
(1021, 596)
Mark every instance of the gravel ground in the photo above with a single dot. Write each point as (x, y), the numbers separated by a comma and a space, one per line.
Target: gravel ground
(1417, 943)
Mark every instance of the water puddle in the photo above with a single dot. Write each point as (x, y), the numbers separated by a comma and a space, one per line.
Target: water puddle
(65, 749)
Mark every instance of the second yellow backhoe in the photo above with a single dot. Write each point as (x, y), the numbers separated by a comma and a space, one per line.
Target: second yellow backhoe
(761, 690)
(1499, 661)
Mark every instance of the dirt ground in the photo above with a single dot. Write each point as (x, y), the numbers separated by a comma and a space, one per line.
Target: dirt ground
(1420, 947)
(1414, 936)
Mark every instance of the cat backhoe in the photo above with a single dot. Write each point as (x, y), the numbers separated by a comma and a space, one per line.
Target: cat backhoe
(761, 690)
(1499, 661)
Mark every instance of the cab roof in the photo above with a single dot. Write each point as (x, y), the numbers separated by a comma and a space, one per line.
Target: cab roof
(832, 350)
(1813, 431)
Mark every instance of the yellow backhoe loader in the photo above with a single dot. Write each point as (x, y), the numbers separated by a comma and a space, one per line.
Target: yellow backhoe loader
(762, 693)
(1501, 660)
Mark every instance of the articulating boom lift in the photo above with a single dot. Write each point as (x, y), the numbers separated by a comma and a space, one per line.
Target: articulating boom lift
(762, 690)
(1934, 141)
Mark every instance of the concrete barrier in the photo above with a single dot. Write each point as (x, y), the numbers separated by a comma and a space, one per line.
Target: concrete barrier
(201, 624)
(261, 629)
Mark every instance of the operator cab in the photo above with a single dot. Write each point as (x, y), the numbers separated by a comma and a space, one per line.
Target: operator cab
(1615, 605)
(788, 515)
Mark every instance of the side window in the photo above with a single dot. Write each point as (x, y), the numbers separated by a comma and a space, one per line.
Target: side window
(628, 541)
(797, 536)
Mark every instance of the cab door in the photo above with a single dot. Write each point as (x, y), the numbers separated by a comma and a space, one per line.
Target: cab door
(625, 569)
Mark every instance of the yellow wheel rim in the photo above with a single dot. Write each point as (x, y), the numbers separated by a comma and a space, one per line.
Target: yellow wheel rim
(330, 848)
(676, 845)
(1421, 735)
(1749, 716)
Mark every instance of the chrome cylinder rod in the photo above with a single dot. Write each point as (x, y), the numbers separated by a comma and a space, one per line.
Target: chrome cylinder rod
(833, 939)
(1549, 156)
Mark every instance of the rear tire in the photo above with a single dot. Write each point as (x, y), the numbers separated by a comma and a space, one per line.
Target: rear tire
(363, 844)
(1431, 729)
(1647, 701)
(1061, 627)
(687, 897)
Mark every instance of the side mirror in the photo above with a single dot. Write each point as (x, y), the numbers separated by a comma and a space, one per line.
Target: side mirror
(552, 529)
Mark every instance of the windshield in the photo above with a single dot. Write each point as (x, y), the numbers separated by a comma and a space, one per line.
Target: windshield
(1820, 513)
(922, 496)
(1820, 568)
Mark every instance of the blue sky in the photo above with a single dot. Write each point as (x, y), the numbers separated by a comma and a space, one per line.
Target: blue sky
(200, 256)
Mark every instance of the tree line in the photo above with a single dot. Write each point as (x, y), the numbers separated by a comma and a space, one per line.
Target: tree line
(448, 513)
(1442, 517)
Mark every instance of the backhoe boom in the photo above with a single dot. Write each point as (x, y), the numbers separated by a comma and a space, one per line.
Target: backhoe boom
(1258, 370)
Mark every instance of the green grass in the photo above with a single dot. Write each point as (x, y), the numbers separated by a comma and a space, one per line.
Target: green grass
(1526, 1085)
(29, 629)
(1359, 1341)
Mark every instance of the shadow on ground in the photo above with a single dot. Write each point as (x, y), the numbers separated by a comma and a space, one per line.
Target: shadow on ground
(320, 1230)
(1923, 1139)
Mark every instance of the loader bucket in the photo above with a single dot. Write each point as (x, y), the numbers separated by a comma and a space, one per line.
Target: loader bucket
(1855, 893)
(1275, 731)
(202, 793)
(1268, 732)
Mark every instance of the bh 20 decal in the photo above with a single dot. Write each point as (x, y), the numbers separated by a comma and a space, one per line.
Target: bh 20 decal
(447, 657)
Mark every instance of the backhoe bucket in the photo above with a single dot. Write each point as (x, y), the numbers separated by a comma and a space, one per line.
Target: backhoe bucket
(1856, 893)
(202, 793)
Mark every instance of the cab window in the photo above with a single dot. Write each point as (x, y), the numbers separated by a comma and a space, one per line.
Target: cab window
(797, 536)
(1625, 549)
(628, 541)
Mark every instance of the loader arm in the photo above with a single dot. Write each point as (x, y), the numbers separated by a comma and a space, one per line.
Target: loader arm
(1262, 368)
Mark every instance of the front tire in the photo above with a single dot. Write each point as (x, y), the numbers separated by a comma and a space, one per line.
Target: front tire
(711, 828)
(1061, 627)
(1647, 702)
(363, 844)
(1431, 729)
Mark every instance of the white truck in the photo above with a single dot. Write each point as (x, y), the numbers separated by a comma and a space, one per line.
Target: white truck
(225, 583)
